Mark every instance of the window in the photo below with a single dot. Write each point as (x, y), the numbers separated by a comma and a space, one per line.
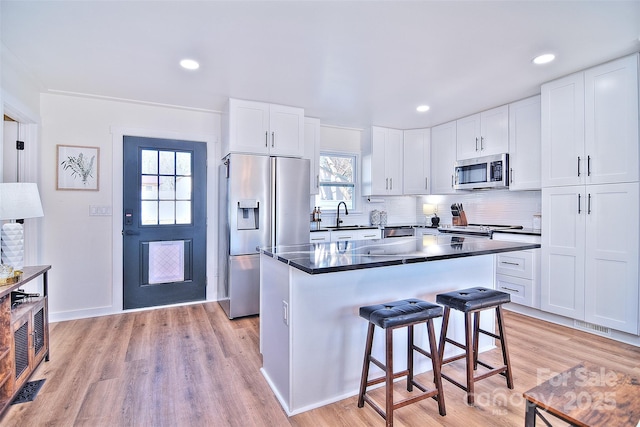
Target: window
(337, 180)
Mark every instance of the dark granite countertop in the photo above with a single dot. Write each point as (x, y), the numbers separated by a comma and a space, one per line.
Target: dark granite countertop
(316, 258)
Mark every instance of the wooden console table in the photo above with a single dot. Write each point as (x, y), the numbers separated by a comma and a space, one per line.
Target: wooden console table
(24, 334)
(586, 396)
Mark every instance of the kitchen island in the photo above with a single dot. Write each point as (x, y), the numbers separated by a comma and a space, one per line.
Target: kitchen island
(311, 335)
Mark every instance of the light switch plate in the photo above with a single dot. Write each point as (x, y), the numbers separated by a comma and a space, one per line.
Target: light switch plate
(96, 210)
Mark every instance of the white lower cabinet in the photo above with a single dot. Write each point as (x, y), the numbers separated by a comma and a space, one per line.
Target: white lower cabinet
(366, 234)
(342, 235)
(590, 243)
(319, 236)
(518, 273)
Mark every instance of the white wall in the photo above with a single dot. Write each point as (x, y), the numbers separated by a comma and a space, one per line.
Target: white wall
(86, 251)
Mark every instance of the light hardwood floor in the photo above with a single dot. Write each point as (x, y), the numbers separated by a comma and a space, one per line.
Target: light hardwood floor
(191, 366)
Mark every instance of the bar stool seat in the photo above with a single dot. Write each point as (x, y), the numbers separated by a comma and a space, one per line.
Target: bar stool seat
(389, 316)
(473, 301)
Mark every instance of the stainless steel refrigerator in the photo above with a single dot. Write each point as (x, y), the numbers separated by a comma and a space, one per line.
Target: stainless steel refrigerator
(264, 201)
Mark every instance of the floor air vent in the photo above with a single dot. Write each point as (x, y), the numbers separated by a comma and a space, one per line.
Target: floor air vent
(591, 327)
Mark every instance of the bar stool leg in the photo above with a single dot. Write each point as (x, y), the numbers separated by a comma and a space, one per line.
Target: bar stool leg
(443, 333)
(389, 377)
(503, 342)
(365, 365)
(476, 338)
(410, 358)
(468, 332)
(436, 363)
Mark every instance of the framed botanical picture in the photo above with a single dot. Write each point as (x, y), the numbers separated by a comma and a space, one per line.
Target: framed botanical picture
(78, 167)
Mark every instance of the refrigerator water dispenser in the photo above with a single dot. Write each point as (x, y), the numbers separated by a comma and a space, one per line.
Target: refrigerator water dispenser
(248, 214)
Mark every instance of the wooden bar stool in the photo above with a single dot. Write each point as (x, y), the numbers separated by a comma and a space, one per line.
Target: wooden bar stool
(473, 301)
(390, 316)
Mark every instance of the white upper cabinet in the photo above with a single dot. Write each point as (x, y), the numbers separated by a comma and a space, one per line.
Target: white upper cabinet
(483, 134)
(611, 121)
(524, 144)
(417, 158)
(443, 158)
(382, 162)
(312, 151)
(590, 126)
(261, 128)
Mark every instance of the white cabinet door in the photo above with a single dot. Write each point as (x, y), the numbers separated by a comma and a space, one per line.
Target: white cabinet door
(286, 126)
(382, 162)
(261, 128)
(563, 251)
(468, 137)
(483, 134)
(524, 144)
(612, 244)
(248, 127)
(563, 160)
(319, 236)
(393, 161)
(443, 158)
(611, 122)
(417, 147)
(494, 131)
(312, 152)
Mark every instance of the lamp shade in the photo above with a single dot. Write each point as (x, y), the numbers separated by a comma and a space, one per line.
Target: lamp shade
(19, 200)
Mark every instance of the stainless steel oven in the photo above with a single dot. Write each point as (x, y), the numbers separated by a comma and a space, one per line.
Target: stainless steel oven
(397, 231)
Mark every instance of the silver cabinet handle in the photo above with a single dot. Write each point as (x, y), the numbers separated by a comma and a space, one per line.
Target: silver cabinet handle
(588, 165)
(266, 138)
(344, 237)
(509, 263)
(481, 143)
(589, 204)
(579, 202)
(451, 181)
(426, 183)
(390, 183)
(509, 289)
(578, 165)
(476, 143)
(511, 175)
(273, 139)
(317, 181)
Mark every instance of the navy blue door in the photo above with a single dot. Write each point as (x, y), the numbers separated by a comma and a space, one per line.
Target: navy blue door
(164, 225)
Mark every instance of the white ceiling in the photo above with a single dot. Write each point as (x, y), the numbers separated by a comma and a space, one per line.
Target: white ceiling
(349, 63)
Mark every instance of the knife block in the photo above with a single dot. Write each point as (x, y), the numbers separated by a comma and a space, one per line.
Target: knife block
(460, 220)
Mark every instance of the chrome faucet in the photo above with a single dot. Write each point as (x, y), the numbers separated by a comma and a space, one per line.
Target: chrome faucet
(346, 212)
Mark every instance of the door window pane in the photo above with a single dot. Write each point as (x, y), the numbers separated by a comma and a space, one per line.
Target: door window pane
(183, 212)
(149, 190)
(166, 212)
(149, 162)
(183, 163)
(183, 188)
(167, 187)
(149, 213)
(167, 163)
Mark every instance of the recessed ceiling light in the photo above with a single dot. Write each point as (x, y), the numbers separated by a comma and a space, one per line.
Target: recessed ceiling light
(189, 64)
(544, 59)
(422, 108)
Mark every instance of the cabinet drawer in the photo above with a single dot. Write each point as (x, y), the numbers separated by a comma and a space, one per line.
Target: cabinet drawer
(518, 264)
(521, 290)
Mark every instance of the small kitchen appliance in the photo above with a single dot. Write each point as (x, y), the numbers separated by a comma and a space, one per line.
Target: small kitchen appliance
(482, 172)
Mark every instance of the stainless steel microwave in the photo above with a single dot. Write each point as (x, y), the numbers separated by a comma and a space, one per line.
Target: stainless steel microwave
(482, 172)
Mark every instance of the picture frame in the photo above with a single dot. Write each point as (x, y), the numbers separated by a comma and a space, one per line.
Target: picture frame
(78, 167)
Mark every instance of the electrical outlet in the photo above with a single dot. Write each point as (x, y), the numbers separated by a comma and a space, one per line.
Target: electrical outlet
(285, 312)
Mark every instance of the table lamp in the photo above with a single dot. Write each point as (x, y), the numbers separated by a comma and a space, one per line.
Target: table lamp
(431, 210)
(18, 200)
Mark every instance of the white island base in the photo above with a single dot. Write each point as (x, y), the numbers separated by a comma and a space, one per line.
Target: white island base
(312, 337)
